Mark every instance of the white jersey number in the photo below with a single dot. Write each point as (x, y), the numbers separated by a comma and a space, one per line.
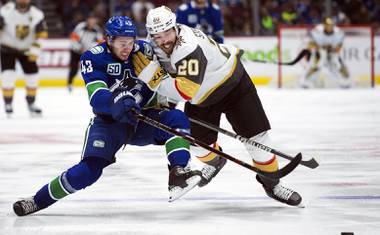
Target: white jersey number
(86, 66)
(189, 67)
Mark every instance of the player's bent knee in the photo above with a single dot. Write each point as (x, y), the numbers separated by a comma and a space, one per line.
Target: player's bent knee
(86, 172)
(175, 118)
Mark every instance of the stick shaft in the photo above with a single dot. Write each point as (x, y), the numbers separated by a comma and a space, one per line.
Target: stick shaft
(310, 163)
(304, 53)
(277, 174)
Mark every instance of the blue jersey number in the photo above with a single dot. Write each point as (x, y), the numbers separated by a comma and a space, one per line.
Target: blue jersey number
(86, 66)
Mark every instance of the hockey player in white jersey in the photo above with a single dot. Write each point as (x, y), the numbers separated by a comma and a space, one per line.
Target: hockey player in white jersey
(211, 79)
(22, 27)
(326, 41)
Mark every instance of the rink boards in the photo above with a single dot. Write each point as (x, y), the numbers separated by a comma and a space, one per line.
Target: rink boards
(55, 58)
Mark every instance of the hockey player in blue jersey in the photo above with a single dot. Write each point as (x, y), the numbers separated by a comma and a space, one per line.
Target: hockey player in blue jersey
(203, 15)
(115, 95)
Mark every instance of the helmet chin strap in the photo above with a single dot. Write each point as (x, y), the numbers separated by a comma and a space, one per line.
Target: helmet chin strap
(176, 30)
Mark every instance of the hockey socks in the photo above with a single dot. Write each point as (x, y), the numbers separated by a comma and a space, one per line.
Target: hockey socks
(213, 163)
(181, 178)
(177, 151)
(85, 173)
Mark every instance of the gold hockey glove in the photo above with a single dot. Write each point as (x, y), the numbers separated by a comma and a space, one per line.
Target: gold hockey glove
(33, 52)
(149, 71)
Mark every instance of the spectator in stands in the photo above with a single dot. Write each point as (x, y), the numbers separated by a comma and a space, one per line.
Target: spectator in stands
(140, 9)
(122, 7)
(73, 11)
(338, 16)
(289, 15)
(101, 11)
(203, 15)
(140, 24)
(268, 22)
(313, 16)
(237, 17)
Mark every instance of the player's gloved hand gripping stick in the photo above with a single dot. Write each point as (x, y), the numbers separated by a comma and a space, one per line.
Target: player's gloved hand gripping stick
(124, 106)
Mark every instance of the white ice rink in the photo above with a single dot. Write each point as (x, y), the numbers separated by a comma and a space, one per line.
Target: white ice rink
(340, 128)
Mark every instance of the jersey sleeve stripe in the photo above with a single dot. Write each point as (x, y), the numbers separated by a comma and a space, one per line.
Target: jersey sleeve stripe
(42, 34)
(186, 88)
(92, 87)
(94, 82)
(98, 89)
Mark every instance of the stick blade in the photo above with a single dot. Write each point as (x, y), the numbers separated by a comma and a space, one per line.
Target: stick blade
(312, 163)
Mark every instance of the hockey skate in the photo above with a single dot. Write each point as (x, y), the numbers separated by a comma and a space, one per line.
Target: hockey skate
(8, 110)
(280, 193)
(34, 110)
(25, 206)
(182, 180)
(70, 87)
(211, 169)
(345, 83)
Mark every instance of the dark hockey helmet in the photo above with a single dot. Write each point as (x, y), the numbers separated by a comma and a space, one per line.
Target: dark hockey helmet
(120, 26)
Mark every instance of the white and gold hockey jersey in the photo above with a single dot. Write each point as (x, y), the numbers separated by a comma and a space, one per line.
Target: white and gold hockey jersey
(19, 30)
(202, 71)
(323, 40)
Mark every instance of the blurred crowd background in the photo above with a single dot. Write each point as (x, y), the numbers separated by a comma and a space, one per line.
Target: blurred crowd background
(241, 17)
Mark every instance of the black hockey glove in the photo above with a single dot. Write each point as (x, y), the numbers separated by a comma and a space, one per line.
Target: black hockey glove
(124, 106)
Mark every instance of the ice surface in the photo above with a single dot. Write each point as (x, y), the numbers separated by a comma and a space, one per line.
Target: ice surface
(340, 128)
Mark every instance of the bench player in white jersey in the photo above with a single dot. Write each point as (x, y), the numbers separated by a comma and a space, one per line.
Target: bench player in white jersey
(212, 80)
(22, 26)
(326, 41)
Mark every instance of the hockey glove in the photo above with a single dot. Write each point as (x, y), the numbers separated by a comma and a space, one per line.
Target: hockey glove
(149, 71)
(34, 52)
(124, 106)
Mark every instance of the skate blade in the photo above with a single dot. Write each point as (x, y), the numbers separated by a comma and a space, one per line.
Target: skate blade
(301, 205)
(35, 115)
(178, 192)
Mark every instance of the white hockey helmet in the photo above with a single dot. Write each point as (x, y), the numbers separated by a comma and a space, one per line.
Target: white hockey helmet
(159, 20)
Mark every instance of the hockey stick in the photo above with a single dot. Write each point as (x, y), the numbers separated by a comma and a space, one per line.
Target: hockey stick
(304, 53)
(312, 163)
(277, 174)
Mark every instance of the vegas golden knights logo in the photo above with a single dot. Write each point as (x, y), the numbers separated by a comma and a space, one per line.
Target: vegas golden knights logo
(156, 20)
(22, 31)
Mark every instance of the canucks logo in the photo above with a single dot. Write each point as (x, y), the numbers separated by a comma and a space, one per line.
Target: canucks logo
(97, 50)
(128, 80)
